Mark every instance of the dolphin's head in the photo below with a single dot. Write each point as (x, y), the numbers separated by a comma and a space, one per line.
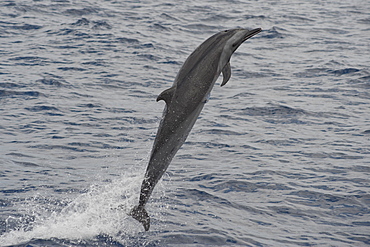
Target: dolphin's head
(241, 35)
(235, 37)
(232, 39)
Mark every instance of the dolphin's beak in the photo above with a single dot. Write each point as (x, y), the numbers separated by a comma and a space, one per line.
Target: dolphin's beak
(251, 33)
(247, 34)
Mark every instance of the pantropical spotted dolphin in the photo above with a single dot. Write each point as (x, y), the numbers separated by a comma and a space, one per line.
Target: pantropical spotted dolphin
(184, 102)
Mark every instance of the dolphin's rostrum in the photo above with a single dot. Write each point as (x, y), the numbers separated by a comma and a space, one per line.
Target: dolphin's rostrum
(184, 102)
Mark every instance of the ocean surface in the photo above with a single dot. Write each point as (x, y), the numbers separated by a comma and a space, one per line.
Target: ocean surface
(280, 156)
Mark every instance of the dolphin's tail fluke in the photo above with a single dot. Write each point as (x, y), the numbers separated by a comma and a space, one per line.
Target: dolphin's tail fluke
(139, 213)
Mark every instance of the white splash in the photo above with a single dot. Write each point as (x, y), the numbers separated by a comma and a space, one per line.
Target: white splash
(101, 210)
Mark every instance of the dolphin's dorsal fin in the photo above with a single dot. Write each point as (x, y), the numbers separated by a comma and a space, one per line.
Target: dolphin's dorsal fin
(166, 95)
(226, 73)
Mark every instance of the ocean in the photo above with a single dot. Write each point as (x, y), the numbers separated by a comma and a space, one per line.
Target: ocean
(280, 156)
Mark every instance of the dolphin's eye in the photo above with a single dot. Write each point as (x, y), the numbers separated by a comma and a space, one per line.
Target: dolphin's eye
(234, 45)
(226, 31)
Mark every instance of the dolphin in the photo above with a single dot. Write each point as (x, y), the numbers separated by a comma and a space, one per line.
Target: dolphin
(184, 102)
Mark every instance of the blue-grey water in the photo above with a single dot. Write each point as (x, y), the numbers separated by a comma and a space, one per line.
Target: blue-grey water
(280, 156)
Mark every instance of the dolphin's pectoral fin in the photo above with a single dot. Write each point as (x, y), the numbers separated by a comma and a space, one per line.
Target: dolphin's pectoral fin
(139, 213)
(226, 73)
(166, 95)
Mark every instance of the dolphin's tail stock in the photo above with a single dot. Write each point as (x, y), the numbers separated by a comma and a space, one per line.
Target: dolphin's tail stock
(140, 214)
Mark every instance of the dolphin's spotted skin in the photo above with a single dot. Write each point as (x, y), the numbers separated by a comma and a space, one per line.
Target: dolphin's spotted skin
(184, 102)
